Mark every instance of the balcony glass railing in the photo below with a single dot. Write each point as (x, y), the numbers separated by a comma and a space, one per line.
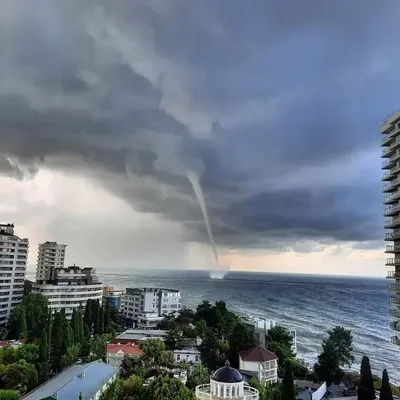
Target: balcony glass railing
(393, 287)
(392, 236)
(392, 274)
(386, 175)
(394, 143)
(392, 248)
(394, 314)
(393, 261)
(392, 223)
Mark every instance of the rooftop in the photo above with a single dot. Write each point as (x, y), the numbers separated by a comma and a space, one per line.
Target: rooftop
(141, 334)
(227, 374)
(79, 378)
(257, 354)
(127, 348)
(150, 289)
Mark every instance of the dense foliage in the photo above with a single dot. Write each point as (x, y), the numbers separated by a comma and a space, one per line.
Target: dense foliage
(365, 390)
(337, 352)
(52, 341)
(386, 391)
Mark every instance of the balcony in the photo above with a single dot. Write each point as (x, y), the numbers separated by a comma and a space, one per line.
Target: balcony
(391, 186)
(393, 223)
(394, 326)
(386, 139)
(394, 143)
(395, 340)
(392, 236)
(393, 275)
(394, 314)
(394, 300)
(392, 248)
(393, 287)
(393, 261)
(392, 210)
(387, 164)
(203, 392)
(392, 198)
(387, 176)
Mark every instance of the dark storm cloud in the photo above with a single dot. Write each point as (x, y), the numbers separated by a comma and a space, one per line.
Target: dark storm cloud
(276, 104)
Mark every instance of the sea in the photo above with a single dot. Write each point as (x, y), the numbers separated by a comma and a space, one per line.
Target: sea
(311, 304)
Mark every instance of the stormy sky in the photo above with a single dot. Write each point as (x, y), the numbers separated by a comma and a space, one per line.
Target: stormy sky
(105, 107)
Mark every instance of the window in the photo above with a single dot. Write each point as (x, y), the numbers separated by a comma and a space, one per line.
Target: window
(196, 358)
(178, 357)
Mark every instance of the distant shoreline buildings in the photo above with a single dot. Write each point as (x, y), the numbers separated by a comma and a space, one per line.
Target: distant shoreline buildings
(390, 130)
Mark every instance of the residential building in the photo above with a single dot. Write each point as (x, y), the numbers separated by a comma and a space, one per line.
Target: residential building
(260, 361)
(12, 343)
(85, 381)
(13, 257)
(226, 383)
(260, 327)
(390, 130)
(145, 307)
(190, 354)
(117, 352)
(68, 288)
(139, 335)
(50, 254)
(113, 298)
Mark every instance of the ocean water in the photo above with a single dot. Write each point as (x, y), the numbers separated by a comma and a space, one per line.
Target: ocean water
(309, 304)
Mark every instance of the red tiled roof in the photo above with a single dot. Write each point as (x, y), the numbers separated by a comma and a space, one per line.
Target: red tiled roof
(257, 354)
(128, 348)
(4, 343)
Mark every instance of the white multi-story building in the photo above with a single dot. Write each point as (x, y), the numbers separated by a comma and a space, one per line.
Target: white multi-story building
(70, 287)
(13, 257)
(260, 361)
(147, 306)
(50, 254)
(390, 130)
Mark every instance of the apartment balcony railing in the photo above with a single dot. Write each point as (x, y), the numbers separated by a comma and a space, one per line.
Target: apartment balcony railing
(387, 164)
(392, 236)
(391, 186)
(395, 340)
(203, 392)
(387, 176)
(394, 143)
(392, 223)
(393, 287)
(394, 326)
(392, 210)
(385, 140)
(392, 275)
(394, 314)
(394, 300)
(393, 261)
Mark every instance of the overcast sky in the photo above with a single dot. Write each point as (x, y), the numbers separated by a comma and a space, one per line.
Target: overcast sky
(275, 105)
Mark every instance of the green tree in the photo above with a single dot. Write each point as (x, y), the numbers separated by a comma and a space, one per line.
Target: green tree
(70, 356)
(173, 339)
(58, 341)
(133, 366)
(386, 390)
(279, 341)
(98, 348)
(131, 388)
(19, 376)
(165, 387)
(212, 350)
(153, 350)
(106, 319)
(101, 321)
(365, 390)
(288, 392)
(43, 347)
(17, 324)
(28, 352)
(337, 352)
(87, 318)
(95, 316)
(240, 338)
(9, 395)
(197, 376)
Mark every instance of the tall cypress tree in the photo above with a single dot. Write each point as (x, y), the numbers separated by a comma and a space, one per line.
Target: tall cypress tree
(57, 342)
(80, 326)
(106, 319)
(365, 390)
(43, 347)
(101, 321)
(87, 318)
(386, 389)
(96, 316)
(288, 383)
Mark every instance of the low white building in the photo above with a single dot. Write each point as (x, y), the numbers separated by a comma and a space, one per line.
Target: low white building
(145, 307)
(68, 288)
(117, 351)
(190, 354)
(226, 383)
(260, 361)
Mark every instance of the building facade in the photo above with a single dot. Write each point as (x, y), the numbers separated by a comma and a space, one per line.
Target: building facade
(117, 351)
(262, 362)
(226, 383)
(190, 354)
(68, 288)
(390, 130)
(13, 258)
(145, 307)
(50, 254)
(113, 298)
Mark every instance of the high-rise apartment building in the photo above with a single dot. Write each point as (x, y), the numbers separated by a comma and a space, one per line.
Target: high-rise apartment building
(13, 257)
(146, 306)
(69, 287)
(390, 130)
(51, 254)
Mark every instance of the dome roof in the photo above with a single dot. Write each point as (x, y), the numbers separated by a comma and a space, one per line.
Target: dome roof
(227, 374)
